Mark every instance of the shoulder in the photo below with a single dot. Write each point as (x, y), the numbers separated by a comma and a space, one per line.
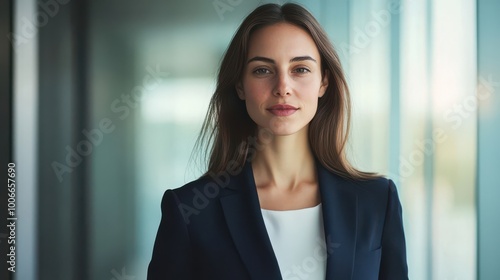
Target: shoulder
(189, 188)
(378, 185)
(198, 198)
(375, 193)
(375, 186)
(372, 195)
(211, 186)
(200, 189)
(379, 195)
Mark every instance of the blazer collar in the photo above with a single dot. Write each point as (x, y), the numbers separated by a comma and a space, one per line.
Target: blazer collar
(340, 202)
(245, 222)
(246, 225)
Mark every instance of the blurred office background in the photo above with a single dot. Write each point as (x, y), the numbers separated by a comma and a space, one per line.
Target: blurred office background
(94, 163)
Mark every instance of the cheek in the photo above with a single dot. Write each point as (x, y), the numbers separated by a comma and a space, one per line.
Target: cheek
(309, 91)
(256, 93)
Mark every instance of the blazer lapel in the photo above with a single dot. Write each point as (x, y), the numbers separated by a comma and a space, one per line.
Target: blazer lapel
(246, 225)
(339, 201)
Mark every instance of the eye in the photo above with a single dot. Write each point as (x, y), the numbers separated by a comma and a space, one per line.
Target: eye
(301, 70)
(261, 71)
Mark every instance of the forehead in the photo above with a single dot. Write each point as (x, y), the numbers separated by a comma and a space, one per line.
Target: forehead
(282, 39)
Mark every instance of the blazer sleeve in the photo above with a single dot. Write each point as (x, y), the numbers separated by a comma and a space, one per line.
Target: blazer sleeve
(393, 263)
(172, 256)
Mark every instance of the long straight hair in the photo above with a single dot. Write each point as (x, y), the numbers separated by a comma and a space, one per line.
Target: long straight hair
(228, 133)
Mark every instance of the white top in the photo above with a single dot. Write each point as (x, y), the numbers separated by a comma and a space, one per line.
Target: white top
(298, 241)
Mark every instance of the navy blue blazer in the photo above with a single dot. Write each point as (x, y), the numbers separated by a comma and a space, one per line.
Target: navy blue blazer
(212, 228)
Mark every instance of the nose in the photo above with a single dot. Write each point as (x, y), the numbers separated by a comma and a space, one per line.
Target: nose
(282, 87)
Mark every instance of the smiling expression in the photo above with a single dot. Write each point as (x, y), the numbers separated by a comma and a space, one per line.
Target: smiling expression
(282, 79)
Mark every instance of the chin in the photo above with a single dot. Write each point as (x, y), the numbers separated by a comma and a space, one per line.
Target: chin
(287, 131)
(280, 127)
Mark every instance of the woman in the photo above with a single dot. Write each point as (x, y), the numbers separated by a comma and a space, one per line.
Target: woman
(279, 199)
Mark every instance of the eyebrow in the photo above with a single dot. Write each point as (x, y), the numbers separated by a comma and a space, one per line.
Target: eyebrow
(269, 60)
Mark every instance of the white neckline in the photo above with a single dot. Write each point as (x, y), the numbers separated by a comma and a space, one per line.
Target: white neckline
(292, 210)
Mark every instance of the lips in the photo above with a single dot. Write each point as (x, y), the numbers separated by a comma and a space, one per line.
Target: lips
(282, 110)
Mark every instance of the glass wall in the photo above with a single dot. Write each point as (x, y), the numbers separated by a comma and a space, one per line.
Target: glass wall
(438, 137)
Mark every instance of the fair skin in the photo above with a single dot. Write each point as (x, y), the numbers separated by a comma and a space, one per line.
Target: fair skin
(281, 84)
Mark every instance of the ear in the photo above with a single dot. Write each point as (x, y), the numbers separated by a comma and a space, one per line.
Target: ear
(239, 90)
(324, 84)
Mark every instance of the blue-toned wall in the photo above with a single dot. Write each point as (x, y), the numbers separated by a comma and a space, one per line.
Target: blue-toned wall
(488, 22)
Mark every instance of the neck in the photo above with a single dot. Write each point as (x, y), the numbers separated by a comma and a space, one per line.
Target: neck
(285, 161)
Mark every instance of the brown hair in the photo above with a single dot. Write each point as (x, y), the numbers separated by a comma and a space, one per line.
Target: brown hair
(227, 127)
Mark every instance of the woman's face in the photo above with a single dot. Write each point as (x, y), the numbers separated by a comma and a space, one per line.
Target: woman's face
(282, 79)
